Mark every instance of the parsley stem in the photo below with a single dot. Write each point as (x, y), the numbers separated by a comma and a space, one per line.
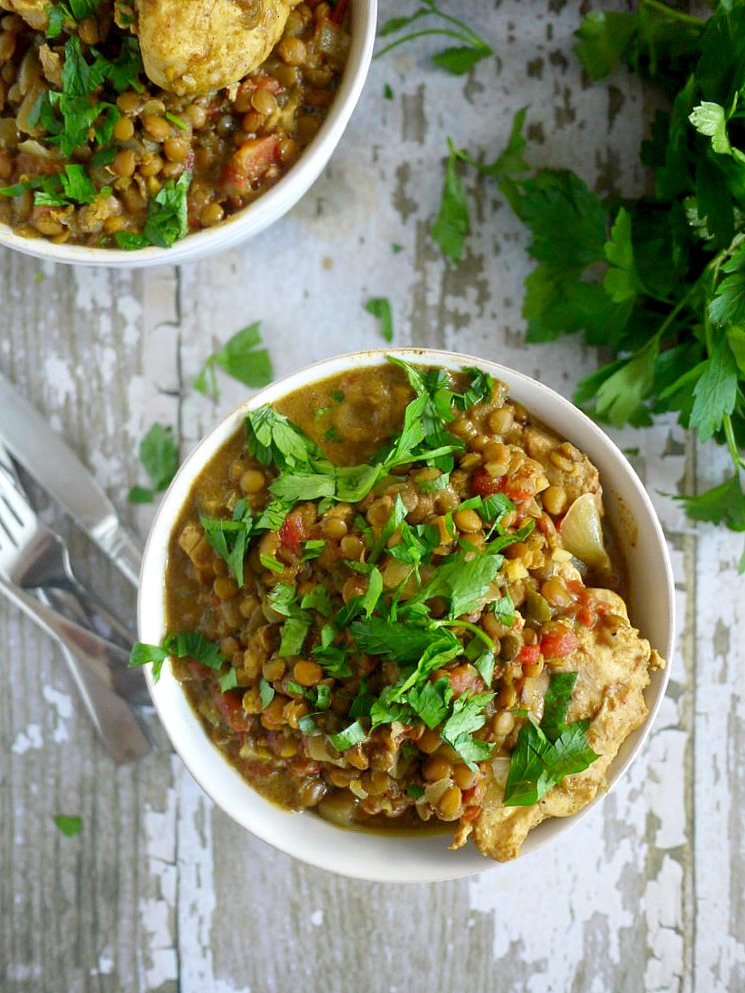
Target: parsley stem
(475, 39)
(677, 15)
(729, 434)
(458, 36)
(473, 628)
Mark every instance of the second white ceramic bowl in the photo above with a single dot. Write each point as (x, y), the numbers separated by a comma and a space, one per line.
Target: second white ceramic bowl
(396, 858)
(262, 212)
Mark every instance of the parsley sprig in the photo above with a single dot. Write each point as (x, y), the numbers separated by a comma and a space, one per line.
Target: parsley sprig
(159, 455)
(456, 59)
(242, 358)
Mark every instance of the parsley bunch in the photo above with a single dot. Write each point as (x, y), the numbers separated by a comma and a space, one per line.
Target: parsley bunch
(658, 280)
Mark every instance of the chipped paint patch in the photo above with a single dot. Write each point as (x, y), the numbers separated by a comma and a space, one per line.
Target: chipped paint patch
(59, 379)
(197, 899)
(157, 912)
(29, 739)
(61, 703)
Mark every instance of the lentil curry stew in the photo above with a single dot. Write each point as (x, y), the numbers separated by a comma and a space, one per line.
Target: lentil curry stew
(390, 600)
(98, 150)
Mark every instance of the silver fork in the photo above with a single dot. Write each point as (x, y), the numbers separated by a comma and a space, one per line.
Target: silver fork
(45, 564)
(98, 666)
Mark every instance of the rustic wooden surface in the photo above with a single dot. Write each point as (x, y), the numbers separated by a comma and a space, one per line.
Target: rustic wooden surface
(160, 891)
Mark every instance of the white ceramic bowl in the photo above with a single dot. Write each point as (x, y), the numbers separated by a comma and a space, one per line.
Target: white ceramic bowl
(382, 857)
(262, 212)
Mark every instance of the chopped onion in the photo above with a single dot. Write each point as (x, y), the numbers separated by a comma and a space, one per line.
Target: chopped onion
(32, 147)
(582, 533)
(434, 791)
(333, 42)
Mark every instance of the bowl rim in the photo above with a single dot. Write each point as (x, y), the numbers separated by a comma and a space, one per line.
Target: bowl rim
(322, 847)
(256, 216)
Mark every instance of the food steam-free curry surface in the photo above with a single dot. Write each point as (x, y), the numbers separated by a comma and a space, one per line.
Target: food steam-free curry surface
(390, 601)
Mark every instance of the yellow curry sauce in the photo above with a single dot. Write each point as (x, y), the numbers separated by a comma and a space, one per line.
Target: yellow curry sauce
(398, 660)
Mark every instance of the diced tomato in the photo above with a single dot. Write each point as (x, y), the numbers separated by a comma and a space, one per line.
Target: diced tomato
(293, 533)
(529, 654)
(258, 81)
(559, 642)
(482, 484)
(231, 710)
(475, 794)
(197, 670)
(588, 608)
(250, 163)
(463, 679)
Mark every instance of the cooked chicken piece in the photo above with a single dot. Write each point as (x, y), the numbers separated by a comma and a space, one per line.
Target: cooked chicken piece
(196, 46)
(33, 12)
(613, 663)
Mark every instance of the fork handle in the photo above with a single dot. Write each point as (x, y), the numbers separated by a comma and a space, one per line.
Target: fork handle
(113, 719)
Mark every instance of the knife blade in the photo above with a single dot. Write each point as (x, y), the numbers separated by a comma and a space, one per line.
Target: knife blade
(46, 457)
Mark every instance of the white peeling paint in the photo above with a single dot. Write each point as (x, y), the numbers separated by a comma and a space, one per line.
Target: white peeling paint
(197, 893)
(316, 918)
(20, 972)
(157, 912)
(663, 902)
(62, 705)
(130, 308)
(105, 964)
(28, 739)
(59, 379)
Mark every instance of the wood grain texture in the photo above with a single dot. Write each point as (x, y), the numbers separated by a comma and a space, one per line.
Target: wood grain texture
(161, 892)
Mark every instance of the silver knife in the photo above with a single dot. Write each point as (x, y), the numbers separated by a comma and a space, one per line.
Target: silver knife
(45, 456)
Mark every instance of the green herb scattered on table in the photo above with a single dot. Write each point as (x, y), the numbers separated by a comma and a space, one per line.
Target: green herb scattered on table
(457, 59)
(159, 456)
(68, 825)
(241, 358)
(660, 279)
(380, 307)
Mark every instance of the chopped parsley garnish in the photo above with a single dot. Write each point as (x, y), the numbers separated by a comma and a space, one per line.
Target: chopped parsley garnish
(159, 456)
(230, 538)
(167, 218)
(306, 474)
(184, 645)
(68, 10)
(397, 625)
(547, 752)
(241, 358)
(347, 738)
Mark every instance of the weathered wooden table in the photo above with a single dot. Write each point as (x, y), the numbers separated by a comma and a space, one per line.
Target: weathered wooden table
(160, 891)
